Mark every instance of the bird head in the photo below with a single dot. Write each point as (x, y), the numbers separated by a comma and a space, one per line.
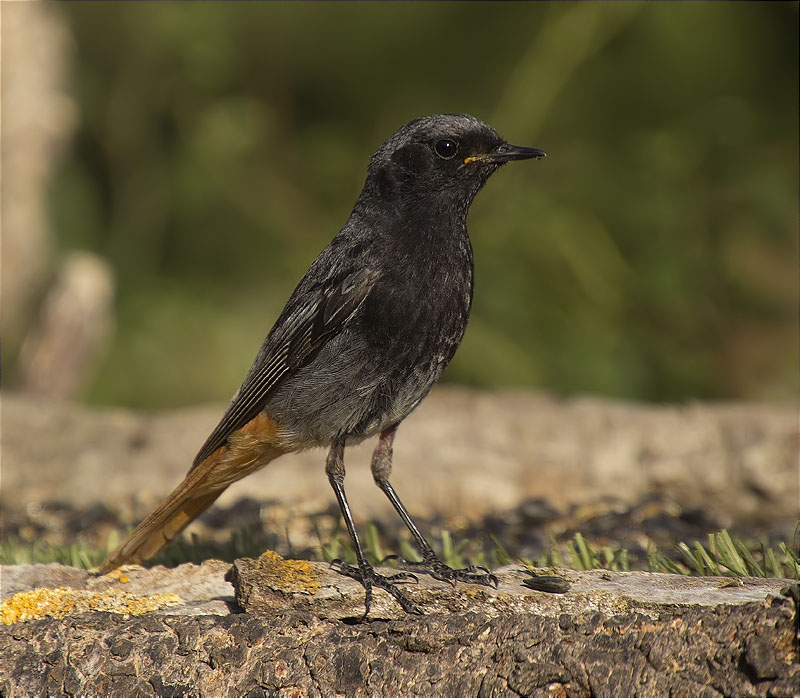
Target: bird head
(445, 155)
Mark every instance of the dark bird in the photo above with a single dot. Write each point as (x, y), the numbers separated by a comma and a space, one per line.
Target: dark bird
(363, 338)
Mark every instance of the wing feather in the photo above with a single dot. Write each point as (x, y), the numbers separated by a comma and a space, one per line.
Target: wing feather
(310, 319)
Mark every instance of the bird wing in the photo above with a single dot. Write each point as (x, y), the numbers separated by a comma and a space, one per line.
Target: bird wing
(309, 320)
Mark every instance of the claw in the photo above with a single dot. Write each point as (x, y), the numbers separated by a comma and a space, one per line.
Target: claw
(433, 566)
(369, 578)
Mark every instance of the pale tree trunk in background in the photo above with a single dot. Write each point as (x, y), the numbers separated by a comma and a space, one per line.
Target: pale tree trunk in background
(61, 340)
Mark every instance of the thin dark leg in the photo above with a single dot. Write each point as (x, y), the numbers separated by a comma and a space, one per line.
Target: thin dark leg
(334, 467)
(381, 470)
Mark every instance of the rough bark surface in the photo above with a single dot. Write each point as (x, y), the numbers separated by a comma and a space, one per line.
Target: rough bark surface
(610, 634)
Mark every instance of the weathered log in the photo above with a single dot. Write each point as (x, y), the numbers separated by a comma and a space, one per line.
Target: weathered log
(610, 634)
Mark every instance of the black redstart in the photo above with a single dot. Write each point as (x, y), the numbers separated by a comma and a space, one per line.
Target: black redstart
(363, 338)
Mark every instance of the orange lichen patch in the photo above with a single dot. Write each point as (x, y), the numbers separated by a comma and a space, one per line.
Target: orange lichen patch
(290, 576)
(60, 602)
(119, 573)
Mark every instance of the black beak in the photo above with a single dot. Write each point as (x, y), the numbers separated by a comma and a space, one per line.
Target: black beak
(507, 152)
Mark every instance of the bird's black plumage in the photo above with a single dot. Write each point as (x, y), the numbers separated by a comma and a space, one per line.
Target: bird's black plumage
(382, 309)
(363, 338)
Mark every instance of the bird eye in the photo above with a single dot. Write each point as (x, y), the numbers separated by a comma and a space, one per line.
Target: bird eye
(446, 148)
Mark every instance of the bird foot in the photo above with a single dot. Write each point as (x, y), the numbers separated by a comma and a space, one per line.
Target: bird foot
(433, 566)
(369, 578)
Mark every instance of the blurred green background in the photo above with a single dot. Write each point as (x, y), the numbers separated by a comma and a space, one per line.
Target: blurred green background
(652, 255)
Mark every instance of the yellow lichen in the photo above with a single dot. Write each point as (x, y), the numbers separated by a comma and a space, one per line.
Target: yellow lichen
(290, 576)
(473, 592)
(63, 601)
(119, 573)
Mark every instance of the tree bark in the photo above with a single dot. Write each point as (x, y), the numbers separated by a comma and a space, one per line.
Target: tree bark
(293, 631)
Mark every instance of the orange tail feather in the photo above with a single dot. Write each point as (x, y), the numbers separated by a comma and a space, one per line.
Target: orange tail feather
(247, 450)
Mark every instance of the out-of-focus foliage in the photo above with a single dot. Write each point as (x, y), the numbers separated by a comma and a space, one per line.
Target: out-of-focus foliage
(652, 255)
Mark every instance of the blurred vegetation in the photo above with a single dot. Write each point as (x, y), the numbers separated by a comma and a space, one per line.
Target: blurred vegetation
(723, 556)
(652, 255)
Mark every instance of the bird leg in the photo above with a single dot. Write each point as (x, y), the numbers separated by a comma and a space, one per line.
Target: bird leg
(364, 573)
(381, 469)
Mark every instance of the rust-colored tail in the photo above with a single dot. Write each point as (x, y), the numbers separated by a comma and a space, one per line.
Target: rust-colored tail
(247, 450)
